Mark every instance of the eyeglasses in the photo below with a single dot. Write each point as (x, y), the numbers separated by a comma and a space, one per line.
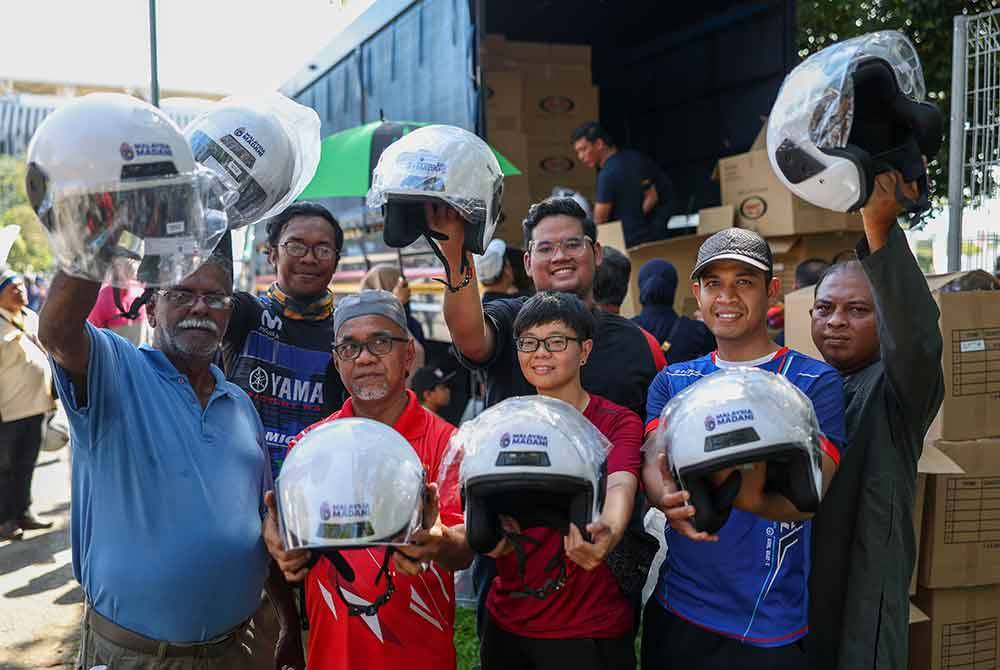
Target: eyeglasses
(179, 297)
(322, 252)
(380, 345)
(553, 343)
(574, 247)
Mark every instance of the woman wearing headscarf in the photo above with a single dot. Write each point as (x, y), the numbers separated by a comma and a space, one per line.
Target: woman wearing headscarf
(682, 339)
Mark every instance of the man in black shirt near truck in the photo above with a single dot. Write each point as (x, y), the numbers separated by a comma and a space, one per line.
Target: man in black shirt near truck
(631, 188)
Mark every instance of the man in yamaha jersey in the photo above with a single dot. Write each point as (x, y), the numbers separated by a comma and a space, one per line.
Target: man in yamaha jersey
(278, 348)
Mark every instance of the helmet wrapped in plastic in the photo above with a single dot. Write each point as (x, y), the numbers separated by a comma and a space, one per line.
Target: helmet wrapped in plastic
(848, 113)
(265, 147)
(735, 417)
(535, 459)
(111, 176)
(437, 164)
(350, 483)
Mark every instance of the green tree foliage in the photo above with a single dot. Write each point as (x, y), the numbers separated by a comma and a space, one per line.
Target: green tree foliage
(928, 23)
(31, 248)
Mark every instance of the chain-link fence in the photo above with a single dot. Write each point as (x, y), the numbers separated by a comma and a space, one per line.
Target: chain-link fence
(974, 179)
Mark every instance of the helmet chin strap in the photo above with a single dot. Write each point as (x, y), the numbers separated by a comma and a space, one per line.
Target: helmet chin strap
(551, 584)
(464, 268)
(390, 588)
(132, 313)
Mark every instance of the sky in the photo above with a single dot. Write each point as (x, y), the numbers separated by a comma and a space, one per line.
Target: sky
(218, 46)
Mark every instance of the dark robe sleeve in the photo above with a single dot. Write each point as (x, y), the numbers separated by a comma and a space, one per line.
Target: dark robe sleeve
(908, 331)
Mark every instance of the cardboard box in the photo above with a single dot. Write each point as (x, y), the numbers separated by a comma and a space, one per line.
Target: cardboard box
(970, 328)
(504, 102)
(514, 146)
(515, 203)
(960, 545)
(798, 323)
(963, 632)
(932, 461)
(713, 219)
(552, 162)
(562, 61)
(764, 204)
(554, 107)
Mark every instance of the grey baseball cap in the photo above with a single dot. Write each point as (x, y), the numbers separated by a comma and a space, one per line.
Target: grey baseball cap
(734, 244)
(371, 302)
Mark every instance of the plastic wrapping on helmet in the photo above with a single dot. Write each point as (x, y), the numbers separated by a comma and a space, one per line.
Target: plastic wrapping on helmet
(815, 103)
(693, 433)
(350, 483)
(445, 164)
(111, 177)
(528, 422)
(265, 147)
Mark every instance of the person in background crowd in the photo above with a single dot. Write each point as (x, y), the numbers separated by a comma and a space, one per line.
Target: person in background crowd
(107, 315)
(807, 273)
(278, 349)
(586, 623)
(562, 255)
(496, 275)
(150, 425)
(36, 291)
(996, 268)
(387, 277)
(875, 321)
(610, 288)
(431, 388)
(738, 598)
(682, 339)
(415, 628)
(25, 398)
(631, 188)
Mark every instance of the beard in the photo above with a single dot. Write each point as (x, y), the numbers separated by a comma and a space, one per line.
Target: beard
(370, 389)
(192, 345)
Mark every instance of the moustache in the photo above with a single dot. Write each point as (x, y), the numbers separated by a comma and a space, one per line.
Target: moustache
(196, 323)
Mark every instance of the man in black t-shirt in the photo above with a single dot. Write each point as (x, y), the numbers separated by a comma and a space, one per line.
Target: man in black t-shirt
(631, 188)
(562, 255)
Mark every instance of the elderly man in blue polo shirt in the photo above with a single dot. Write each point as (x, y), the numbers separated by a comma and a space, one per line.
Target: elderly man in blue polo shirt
(169, 473)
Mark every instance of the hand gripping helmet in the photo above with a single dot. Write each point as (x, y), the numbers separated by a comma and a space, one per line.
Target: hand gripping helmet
(735, 417)
(111, 176)
(347, 484)
(265, 147)
(535, 459)
(849, 112)
(438, 164)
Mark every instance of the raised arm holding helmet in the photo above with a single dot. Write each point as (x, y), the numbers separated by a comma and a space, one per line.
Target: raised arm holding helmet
(154, 423)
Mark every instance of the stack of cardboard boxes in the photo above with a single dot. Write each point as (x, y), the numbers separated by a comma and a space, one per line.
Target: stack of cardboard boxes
(956, 580)
(537, 93)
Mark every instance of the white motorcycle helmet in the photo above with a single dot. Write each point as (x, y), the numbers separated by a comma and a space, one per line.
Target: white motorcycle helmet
(438, 164)
(849, 112)
(112, 176)
(535, 459)
(265, 147)
(735, 417)
(349, 484)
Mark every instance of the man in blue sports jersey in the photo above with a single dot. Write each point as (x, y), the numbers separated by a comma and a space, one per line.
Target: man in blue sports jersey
(741, 596)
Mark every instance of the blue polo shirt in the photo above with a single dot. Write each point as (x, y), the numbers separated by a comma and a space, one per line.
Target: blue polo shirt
(751, 585)
(167, 495)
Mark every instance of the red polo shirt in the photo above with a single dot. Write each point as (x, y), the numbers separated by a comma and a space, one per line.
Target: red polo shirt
(415, 629)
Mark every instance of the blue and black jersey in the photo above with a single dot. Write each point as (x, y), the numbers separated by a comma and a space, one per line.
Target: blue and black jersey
(753, 583)
(285, 365)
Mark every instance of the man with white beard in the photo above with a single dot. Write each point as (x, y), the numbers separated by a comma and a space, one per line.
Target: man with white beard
(169, 474)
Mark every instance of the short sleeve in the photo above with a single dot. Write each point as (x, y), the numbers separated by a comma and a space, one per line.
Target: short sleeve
(607, 185)
(111, 358)
(626, 441)
(660, 393)
(827, 395)
(500, 315)
(100, 314)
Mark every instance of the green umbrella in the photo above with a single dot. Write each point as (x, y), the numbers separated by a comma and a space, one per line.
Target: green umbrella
(347, 159)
